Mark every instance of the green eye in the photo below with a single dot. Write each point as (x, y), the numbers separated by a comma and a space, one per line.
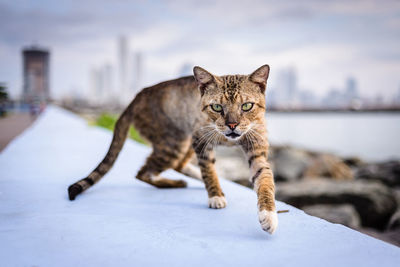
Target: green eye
(216, 107)
(247, 106)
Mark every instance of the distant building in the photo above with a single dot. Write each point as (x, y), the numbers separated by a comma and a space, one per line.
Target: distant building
(307, 99)
(36, 74)
(345, 98)
(286, 88)
(335, 98)
(287, 95)
(106, 76)
(123, 68)
(93, 85)
(397, 98)
(137, 73)
(351, 88)
(101, 85)
(379, 100)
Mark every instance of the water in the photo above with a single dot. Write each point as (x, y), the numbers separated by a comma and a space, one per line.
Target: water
(370, 136)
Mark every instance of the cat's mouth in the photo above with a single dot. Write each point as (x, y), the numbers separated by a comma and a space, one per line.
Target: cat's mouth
(232, 135)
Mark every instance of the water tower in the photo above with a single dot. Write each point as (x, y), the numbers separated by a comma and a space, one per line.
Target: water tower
(36, 74)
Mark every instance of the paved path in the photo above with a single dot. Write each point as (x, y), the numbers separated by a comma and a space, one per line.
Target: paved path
(13, 125)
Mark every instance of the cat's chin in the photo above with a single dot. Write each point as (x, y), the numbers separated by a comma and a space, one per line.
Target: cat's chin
(233, 137)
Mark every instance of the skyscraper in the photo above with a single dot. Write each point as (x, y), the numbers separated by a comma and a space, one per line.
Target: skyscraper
(351, 88)
(138, 72)
(291, 82)
(106, 73)
(397, 98)
(101, 86)
(36, 74)
(286, 91)
(123, 54)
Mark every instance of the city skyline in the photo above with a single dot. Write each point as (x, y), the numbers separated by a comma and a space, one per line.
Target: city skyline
(288, 95)
(325, 42)
(118, 82)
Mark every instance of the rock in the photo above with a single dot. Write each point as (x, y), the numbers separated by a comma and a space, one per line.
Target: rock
(326, 165)
(353, 161)
(344, 214)
(387, 172)
(373, 201)
(289, 164)
(392, 236)
(394, 222)
(396, 194)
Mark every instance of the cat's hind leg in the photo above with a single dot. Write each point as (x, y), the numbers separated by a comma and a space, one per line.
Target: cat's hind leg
(163, 157)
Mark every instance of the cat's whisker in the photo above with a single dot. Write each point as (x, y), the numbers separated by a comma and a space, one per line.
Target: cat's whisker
(208, 140)
(247, 137)
(206, 127)
(205, 147)
(251, 140)
(257, 133)
(259, 125)
(213, 139)
(253, 131)
(217, 140)
(204, 137)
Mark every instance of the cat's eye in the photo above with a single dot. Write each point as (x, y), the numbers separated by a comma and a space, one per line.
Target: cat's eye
(247, 106)
(216, 107)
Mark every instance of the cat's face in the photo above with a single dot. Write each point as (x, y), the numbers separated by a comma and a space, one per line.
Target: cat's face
(234, 104)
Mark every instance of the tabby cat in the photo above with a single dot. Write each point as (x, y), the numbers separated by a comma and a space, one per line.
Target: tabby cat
(193, 115)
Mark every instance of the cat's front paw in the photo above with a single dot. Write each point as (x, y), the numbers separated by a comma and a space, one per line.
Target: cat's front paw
(217, 202)
(268, 220)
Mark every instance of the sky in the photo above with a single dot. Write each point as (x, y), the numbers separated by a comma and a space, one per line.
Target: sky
(324, 41)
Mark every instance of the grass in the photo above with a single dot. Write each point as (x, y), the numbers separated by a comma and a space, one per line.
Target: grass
(108, 121)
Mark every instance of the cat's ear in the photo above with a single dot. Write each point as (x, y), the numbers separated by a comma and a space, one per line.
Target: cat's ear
(203, 78)
(260, 76)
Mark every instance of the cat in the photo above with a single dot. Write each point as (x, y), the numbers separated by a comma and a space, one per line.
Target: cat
(192, 115)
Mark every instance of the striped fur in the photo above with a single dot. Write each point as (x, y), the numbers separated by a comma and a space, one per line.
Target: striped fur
(180, 118)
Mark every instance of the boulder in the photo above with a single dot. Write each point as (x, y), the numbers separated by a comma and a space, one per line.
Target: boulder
(344, 214)
(327, 165)
(373, 201)
(396, 194)
(392, 236)
(353, 161)
(386, 172)
(394, 222)
(289, 164)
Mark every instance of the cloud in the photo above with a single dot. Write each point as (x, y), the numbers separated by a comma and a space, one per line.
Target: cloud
(318, 37)
(25, 26)
(86, 21)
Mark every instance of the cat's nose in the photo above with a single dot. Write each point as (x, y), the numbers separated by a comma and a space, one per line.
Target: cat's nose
(232, 125)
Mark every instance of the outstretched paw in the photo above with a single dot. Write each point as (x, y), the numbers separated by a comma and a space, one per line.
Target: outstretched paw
(217, 202)
(268, 220)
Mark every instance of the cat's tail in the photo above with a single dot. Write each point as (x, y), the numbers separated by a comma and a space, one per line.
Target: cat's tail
(120, 134)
